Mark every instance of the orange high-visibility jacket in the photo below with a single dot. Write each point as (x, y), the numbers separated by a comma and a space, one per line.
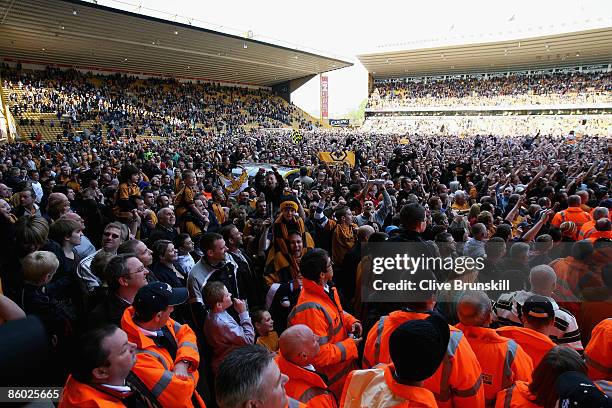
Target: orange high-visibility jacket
(154, 365)
(598, 353)
(574, 275)
(587, 229)
(502, 360)
(378, 388)
(516, 396)
(456, 383)
(305, 386)
(327, 319)
(595, 235)
(77, 394)
(574, 214)
(535, 344)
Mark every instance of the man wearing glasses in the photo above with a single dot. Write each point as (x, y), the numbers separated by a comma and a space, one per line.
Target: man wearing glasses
(114, 235)
(125, 274)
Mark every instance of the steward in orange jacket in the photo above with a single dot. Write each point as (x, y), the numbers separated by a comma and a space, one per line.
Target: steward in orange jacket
(574, 273)
(574, 214)
(417, 348)
(456, 382)
(538, 316)
(298, 346)
(305, 385)
(502, 360)
(378, 388)
(105, 381)
(535, 344)
(78, 394)
(319, 308)
(167, 352)
(589, 227)
(598, 353)
(603, 229)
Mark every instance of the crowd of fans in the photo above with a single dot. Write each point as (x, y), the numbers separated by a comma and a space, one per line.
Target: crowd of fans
(556, 125)
(129, 106)
(141, 279)
(514, 89)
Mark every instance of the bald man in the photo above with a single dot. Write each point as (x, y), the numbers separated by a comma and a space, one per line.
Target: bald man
(584, 198)
(502, 360)
(298, 348)
(543, 280)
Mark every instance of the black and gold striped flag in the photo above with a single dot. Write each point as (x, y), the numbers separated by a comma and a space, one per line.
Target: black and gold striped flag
(296, 135)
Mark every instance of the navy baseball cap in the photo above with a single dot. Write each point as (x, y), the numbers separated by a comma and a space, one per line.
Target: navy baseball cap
(539, 307)
(157, 296)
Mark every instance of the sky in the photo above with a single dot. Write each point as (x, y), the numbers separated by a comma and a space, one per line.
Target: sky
(345, 29)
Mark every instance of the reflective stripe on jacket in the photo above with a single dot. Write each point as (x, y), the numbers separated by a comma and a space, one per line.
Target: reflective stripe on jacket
(77, 394)
(598, 353)
(516, 396)
(154, 365)
(377, 388)
(502, 360)
(305, 386)
(457, 382)
(535, 344)
(327, 319)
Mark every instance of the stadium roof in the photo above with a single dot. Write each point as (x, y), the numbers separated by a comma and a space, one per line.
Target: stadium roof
(90, 36)
(561, 50)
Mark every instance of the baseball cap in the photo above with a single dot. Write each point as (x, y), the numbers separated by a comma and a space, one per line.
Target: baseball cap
(539, 307)
(157, 296)
(391, 228)
(417, 347)
(575, 389)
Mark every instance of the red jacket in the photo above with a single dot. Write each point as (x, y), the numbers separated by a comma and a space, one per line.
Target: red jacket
(154, 365)
(456, 383)
(323, 313)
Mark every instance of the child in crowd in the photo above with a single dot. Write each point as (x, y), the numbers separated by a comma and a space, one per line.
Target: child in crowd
(264, 326)
(222, 332)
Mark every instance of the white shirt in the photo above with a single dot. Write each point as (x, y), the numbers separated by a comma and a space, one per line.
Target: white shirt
(120, 388)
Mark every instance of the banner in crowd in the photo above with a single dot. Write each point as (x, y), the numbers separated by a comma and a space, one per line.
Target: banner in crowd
(337, 158)
(324, 97)
(233, 185)
(296, 136)
(339, 122)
